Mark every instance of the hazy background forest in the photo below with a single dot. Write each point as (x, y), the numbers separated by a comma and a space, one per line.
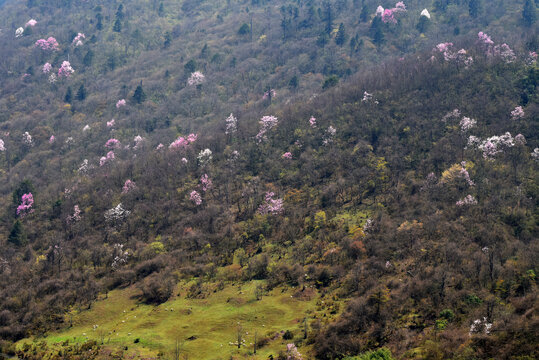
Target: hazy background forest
(287, 179)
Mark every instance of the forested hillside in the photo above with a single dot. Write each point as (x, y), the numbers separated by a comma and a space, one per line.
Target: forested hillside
(269, 179)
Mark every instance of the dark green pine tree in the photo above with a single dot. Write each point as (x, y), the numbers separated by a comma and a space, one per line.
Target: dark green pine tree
(328, 13)
(68, 98)
(168, 40)
(139, 96)
(340, 39)
(376, 31)
(81, 93)
(88, 58)
(99, 24)
(161, 10)
(16, 235)
(423, 24)
(529, 13)
(364, 16)
(474, 8)
(117, 27)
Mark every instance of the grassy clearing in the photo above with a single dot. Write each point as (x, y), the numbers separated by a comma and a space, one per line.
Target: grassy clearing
(205, 328)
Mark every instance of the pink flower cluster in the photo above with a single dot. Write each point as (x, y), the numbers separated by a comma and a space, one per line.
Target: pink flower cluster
(128, 186)
(66, 69)
(518, 113)
(532, 58)
(112, 143)
(468, 200)
(271, 206)
(138, 141)
(464, 173)
(120, 103)
(183, 143)
(2, 147)
(195, 197)
(461, 56)
(206, 182)
(47, 68)
(25, 207)
(196, 78)
(31, 23)
(287, 155)
(48, 44)
(502, 51)
(105, 159)
(77, 41)
(485, 39)
(312, 122)
(266, 123)
(110, 123)
(52, 139)
(388, 15)
(292, 352)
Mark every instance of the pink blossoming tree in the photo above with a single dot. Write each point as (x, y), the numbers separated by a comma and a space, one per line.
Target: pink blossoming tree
(25, 207)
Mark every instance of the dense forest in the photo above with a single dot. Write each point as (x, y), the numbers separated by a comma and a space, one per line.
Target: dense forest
(287, 179)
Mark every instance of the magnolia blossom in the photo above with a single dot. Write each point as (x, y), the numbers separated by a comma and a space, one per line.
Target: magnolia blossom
(66, 69)
(468, 200)
(110, 123)
(400, 6)
(19, 32)
(480, 326)
(128, 186)
(520, 140)
(49, 44)
(266, 123)
(138, 141)
(466, 124)
(425, 13)
(76, 215)
(119, 257)
(195, 197)
(535, 154)
(77, 41)
(329, 135)
(31, 23)
(464, 174)
(2, 147)
(86, 128)
(52, 78)
(112, 143)
(206, 182)
(234, 156)
(204, 156)
(532, 58)
(231, 124)
(312, 122)
(271, 206)
(27, 138)
(25, 207)
(117, 213)
(287, 155)
(52, 139)
(269, 93)
(196, 78)
(518, 113)
(184, 160)
(504, 52)
(495, 144)
(84, 167)
(47, 68)
(159, 147)
(120, 103)
(379, 10)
